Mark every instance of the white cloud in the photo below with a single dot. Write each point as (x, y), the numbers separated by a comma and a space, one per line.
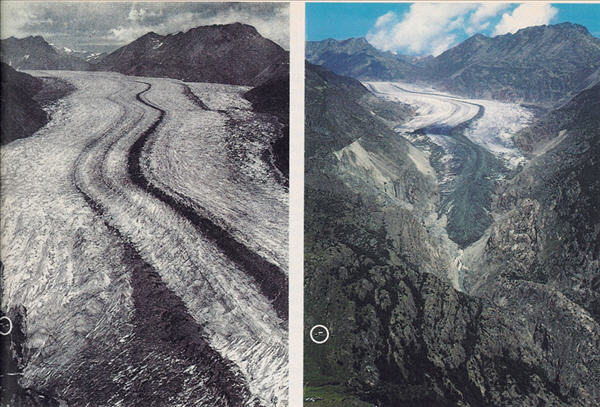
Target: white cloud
(385, 19)
(432, 28)
(486, 11)
(479, 19)
(425, 28)
(141, 14)
(442, 44)
(16, 18)
(526, 15)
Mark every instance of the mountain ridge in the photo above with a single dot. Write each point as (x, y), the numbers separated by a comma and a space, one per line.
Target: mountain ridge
(210, 53)
(220, 53)
(356, 57)
(527, 66)
(34, 52)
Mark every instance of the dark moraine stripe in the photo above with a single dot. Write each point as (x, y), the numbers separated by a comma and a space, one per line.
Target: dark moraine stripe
(192, 96)
(162, 322)
(271, 280)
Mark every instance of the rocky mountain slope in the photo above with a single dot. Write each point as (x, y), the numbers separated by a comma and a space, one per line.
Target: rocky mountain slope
(536, 64)
(26, 101)
(34, 52)
(374, 275)
(357, 58)
(21, 114)
(340, 103)
(547, 224)
(349, 139)
(542, 64)
(273, 97)
(233, 53)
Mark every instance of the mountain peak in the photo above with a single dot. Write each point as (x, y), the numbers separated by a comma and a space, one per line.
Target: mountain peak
(232, 28)
(566, 26)
(480, 36)
(149, 36)
(356, 40)
(223, 53)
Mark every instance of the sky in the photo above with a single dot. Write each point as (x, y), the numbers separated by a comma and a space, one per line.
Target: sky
(104, 27)
(432, 28)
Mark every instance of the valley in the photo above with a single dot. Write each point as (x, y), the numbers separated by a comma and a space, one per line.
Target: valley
(468, 143)
(451, 240)
(146, 249)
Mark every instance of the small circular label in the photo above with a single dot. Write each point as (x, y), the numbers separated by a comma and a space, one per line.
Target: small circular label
(319, 334)
(6, 326)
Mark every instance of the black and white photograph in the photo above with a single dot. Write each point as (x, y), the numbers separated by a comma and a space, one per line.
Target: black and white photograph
(144, 204)
(303, 203)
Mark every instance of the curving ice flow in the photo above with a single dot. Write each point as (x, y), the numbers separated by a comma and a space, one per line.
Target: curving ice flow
(50, 239)
(431, 108)
(493, 130)
(234, 183)
(76, 216)
(461, 159)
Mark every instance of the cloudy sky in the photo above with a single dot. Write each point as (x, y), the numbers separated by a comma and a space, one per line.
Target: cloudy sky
(107, 26)
(432, 28)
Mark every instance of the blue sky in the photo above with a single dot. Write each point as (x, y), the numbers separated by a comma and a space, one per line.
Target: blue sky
(431, 28)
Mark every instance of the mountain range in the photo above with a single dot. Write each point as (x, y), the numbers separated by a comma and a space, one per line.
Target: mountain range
(232, 53)
(35, 53)
(541, 64)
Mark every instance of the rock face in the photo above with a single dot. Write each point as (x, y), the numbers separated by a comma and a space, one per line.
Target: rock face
(542, 64)
(273, 97)
(374, 275)
(35, 53)
(24, 98)
(536, 64)
(233, 53)
(547, 230)
(357, 58)
(21, 114)
(14, 358)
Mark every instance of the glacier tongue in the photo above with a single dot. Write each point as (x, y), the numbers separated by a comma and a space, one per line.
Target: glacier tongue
(493, 130)
(63, 261)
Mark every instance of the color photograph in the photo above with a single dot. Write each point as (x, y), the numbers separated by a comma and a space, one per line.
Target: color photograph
(452, 195)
